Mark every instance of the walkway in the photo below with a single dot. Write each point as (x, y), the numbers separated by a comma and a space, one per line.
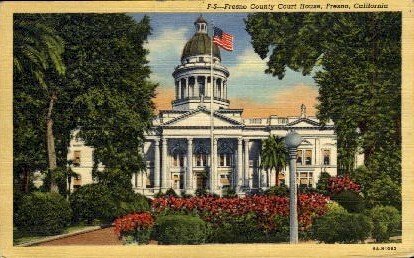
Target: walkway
(105, 236)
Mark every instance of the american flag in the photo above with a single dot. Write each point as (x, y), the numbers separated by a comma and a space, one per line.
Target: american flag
(223, 39)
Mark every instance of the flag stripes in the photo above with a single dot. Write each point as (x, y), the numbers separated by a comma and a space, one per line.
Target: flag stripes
(223, 39)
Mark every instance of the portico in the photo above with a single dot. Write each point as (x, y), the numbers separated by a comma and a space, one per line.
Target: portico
(185, 164)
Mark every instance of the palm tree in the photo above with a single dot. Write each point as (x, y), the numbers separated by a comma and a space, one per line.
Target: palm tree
(37, 51)
(274, 155)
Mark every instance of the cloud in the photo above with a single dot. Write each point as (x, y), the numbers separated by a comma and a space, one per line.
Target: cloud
(284, 102)
(165, 52)
(248, 64)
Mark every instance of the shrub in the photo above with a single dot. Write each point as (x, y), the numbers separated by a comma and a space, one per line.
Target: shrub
(171, 192)
(384, 191)
(342, 227)
(180, 229)
(129, 202)
(229, 193)
(200, 192)
(277, 191)
(137, 226)
(158, 195)
(386, 220)
(334, 207)
(307, 190)
(322, 185)
(237, 230)
(339, 183)
(138, 204)
(43, 214)
(350, 200)
(93, 201)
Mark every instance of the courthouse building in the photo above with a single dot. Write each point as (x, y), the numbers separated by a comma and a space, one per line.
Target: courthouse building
(178, 148)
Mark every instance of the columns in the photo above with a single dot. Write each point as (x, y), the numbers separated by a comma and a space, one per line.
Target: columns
(318, 152)
(157, 163)
(179, 89)
(260, 174)
(164, 164)
(247, 177)
(196, 87)
(189, 172)
(239, 179)
(206, 87)
(187, 87)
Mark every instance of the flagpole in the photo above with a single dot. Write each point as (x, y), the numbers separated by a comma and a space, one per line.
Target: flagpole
(212, 168)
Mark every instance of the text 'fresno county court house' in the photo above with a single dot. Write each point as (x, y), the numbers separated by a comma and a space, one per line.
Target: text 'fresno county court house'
(177, 150)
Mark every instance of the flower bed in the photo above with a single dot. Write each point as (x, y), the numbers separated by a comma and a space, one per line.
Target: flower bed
(263, 209)
(135, 227)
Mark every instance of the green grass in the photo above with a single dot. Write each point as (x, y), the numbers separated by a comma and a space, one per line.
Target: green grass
(21, 238)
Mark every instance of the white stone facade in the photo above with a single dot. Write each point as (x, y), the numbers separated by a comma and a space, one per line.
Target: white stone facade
(178, 149)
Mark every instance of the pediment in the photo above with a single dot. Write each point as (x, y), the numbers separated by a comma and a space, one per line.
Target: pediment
(305, 142)
(303, 122)
(201, 118)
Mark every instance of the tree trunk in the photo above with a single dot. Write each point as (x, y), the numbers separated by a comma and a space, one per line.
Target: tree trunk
(26, 181)
(277, 178)
(50, 139)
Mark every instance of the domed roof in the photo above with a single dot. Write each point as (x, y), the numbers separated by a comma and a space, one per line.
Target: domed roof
(200, 19)
(199, 44)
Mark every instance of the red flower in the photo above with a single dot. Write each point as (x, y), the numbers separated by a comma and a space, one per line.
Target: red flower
(261, 208)
(132, 222)
(339, 183)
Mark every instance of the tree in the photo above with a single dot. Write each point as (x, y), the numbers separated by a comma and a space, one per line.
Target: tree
(356, 62)
(104, 97)
(274, 155)
(37, 55)
(108, 70)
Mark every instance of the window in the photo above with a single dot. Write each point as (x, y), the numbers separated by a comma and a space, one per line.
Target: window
(326, 157)
(148, 181)
(304, 179)
(308, 157)
(178, 160)
(76, 158)
(225, 160)
(77, 182)
(225, 180)
(178, 182)
(201, 160)
(299, 157)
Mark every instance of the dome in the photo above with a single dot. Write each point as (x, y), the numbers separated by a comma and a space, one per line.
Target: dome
(199, 44)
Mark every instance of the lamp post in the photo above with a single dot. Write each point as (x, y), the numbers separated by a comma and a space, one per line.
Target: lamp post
(292, 141)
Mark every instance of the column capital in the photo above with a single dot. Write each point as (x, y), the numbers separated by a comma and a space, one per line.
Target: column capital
(246, 140)
(157, 141)
(239, 140)
(189, 139)
(215, 140)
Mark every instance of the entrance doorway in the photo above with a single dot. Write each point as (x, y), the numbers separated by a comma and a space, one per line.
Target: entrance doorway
(201, 178)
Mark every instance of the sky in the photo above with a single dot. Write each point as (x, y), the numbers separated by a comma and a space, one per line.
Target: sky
(259, 94)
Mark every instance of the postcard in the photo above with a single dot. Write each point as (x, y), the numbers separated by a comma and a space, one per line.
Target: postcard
(206, 128)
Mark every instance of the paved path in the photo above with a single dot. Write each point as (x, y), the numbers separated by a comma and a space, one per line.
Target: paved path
(105, 236)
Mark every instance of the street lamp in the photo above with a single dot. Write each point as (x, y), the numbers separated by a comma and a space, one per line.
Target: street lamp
(292, 141)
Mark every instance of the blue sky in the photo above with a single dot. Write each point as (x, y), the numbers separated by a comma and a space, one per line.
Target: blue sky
(248, 84)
